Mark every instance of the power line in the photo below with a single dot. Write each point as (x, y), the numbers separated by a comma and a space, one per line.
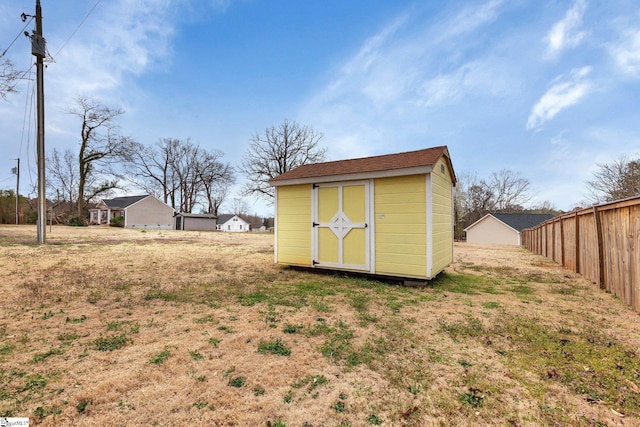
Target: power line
(29, 127)
(78, 27)
(24, 115)
(14, 40)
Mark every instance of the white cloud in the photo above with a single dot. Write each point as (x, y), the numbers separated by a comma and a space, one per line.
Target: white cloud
(124, 38)
(627, 52)
(391, 77)
(486, 76)
(562, 94)
(441, 90)
(471, 18)
(566, 33)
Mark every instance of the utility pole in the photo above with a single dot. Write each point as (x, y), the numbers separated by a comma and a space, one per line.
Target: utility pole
(38, 49)
(16, 170)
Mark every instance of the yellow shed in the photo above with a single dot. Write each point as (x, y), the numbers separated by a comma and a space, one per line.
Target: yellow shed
(389, 215)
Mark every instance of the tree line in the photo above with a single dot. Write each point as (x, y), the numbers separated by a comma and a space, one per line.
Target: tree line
(180, 172)
(186, 176)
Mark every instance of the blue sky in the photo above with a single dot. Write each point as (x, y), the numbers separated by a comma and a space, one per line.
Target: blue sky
(544, 88)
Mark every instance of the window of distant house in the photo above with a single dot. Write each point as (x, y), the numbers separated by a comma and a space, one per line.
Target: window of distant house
(229, 227)
(240, 226)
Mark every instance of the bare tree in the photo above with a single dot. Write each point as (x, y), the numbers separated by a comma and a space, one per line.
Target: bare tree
(216, 178)
(184, 173)
(463, 202)
(616, 180)
(239, 206)
(100, 144)
(8, 77)
(63, 174)
(278, 151)
(217, 197)
(510, 190)
(151, 166)
(185, 168)
(545, 207)
(504, 191)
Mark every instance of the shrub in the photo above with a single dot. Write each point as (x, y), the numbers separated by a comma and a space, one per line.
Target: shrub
(74, 221)
(117, 221)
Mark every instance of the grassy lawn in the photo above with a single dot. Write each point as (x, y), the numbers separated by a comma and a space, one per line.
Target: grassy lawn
(107, 326)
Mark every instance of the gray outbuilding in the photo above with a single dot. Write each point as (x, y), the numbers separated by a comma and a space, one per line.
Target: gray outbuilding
(195, 222)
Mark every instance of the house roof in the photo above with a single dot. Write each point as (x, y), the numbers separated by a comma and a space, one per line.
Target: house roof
(192, 215)
(222, 218)
(388, 162)
(520, 221)
(123, 202)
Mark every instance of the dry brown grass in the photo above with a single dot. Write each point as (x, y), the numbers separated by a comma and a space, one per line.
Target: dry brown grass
(504, 338)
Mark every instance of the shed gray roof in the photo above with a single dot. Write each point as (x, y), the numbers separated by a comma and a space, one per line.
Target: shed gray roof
(192, 215)
(123, 202)
(520, 221)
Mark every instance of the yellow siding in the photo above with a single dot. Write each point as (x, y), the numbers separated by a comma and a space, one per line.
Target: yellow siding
(293, 232)
(400, 229)
(442, 224)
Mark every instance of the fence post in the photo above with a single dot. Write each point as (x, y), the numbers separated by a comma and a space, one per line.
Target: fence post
(562, 241)
(577, 243)
(598, 224)
(553, 240)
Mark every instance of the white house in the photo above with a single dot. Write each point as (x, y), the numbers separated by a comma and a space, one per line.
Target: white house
(502, 229)
(143, 211)
(232, 223)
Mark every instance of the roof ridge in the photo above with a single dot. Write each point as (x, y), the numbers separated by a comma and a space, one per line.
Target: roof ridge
(378, 156)
(384, 162)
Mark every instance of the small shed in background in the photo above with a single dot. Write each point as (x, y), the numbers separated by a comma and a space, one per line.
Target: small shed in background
(388, 215)
(195, 222)
(502, 228)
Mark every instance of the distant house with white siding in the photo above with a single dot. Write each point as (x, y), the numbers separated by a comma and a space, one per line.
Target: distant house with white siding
(233, 223)
(502, 228)
(143, 211)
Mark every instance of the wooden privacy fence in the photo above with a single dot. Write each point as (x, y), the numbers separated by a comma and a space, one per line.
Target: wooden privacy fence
(600, 242)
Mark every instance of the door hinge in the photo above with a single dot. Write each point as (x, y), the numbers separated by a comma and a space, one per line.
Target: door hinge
(315, 224)
(314, 262)
(315, 186)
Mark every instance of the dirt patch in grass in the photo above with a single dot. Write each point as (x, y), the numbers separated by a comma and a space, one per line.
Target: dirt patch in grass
(106, 326)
